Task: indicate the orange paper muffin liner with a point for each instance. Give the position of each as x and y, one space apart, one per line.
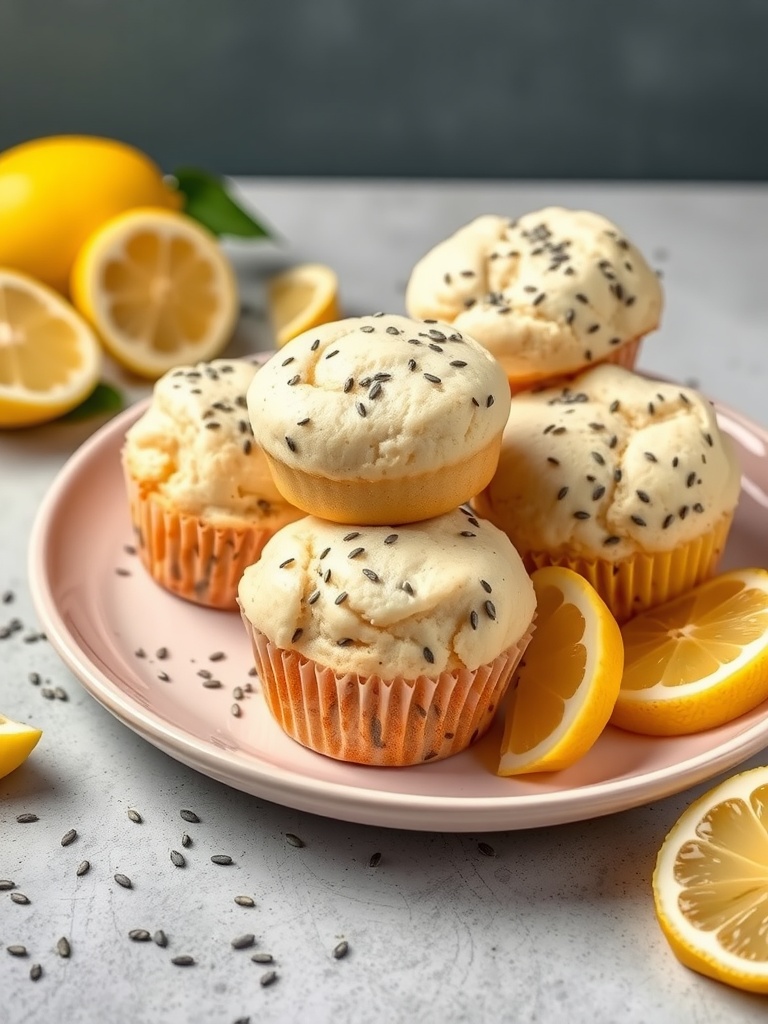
625 355
373 721
191 558
638 582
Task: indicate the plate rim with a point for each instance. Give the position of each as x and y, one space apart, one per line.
420 812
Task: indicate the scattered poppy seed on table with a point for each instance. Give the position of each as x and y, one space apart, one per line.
26 819
83 868
162 653
69 837
294 840
17 950
245 901
139 935
263 958
268 978
486 849
60 693
19 897
63 947
160 938
217 656
177 859
6 884
221 858
340 950
183 961
189 816
243 941
123 880
34 678
35 972
375 860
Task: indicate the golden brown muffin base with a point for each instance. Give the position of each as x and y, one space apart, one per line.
625 355
387 502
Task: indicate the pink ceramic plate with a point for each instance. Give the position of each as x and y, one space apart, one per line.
98 617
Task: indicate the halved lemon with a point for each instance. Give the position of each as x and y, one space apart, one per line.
697 661
17 741
566 685
300 298
710 885
49 357
158 289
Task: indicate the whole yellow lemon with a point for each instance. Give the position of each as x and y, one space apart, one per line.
55 192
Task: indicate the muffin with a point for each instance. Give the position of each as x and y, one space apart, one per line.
548 294
387 646
202 499
380 419
627 480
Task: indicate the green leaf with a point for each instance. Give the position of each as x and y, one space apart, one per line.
207 200
102 400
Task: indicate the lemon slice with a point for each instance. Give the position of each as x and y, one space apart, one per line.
17 742
49 357
697 661
300 298
566 685
710 885
158 289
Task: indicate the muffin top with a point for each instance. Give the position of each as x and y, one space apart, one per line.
378 396
548 293
194 446
612 465
444 594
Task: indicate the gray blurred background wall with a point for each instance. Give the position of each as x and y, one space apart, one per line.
663 89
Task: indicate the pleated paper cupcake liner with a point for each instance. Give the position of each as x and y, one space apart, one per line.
381 722
193 559
641 581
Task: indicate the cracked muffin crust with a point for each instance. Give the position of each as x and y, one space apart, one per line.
548 294
609 474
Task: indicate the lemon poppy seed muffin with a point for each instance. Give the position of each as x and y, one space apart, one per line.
380 419
627 480
202 498
548 294
387 645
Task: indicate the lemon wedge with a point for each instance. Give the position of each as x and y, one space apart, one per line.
566 685
17 742
157 288
710 885
49 357
300 298
698 661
